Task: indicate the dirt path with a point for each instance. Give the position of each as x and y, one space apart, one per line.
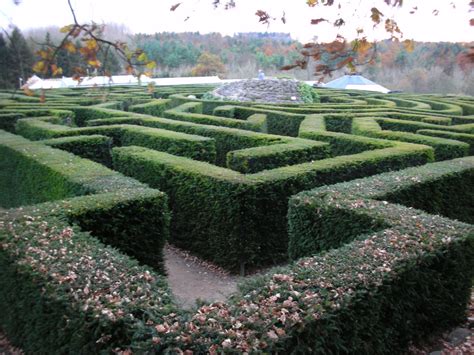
191 279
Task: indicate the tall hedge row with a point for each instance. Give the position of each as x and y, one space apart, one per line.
444 148
32 172
94 147
63 291
154 108
245 225
193 146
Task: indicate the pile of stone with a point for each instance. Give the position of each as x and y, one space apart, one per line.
256 90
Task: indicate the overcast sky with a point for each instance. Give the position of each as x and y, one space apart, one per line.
150 16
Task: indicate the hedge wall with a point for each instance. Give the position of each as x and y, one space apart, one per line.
463 137
278 122
375 295
154 108
193 146
392 274
94 147
31 172
25 180
191 112
314 127
444 148
84 114
427 187
63 291
8 120
226 139
420 258
252 160
239 229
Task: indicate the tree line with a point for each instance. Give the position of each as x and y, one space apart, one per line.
425 67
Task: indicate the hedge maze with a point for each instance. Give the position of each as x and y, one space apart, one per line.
365 201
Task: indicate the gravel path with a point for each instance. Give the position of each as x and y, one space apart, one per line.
192 279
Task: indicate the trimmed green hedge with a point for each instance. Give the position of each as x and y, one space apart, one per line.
135 221
8 120
32 172
208 106
434 188
397 275
444 148
409 103
278 122
314 127
252 160
441 120
94 147
193 146
63 291
420 258
192 112
154 108
238 228
84 114
402 124
227 139
40 112
443 107
463 137
375 295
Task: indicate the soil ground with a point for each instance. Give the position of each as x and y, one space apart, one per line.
192 279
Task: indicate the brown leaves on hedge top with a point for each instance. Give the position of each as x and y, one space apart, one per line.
95 278
313 287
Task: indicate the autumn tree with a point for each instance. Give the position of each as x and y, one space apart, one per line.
327 57
208 64
341 52
87 39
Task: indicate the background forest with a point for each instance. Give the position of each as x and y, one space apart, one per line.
427 68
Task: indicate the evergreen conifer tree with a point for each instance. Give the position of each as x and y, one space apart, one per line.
21 58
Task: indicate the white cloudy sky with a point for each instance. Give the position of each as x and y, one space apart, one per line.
149 16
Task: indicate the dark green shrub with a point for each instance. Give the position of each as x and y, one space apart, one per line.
252 160
153 108
239 229
32 172
444 148
93 147
62 291
8 120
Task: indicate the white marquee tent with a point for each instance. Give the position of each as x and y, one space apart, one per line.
355 82
35 83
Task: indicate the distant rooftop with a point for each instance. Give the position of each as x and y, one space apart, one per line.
35 82
355 82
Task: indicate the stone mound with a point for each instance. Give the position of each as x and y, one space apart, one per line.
267 90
